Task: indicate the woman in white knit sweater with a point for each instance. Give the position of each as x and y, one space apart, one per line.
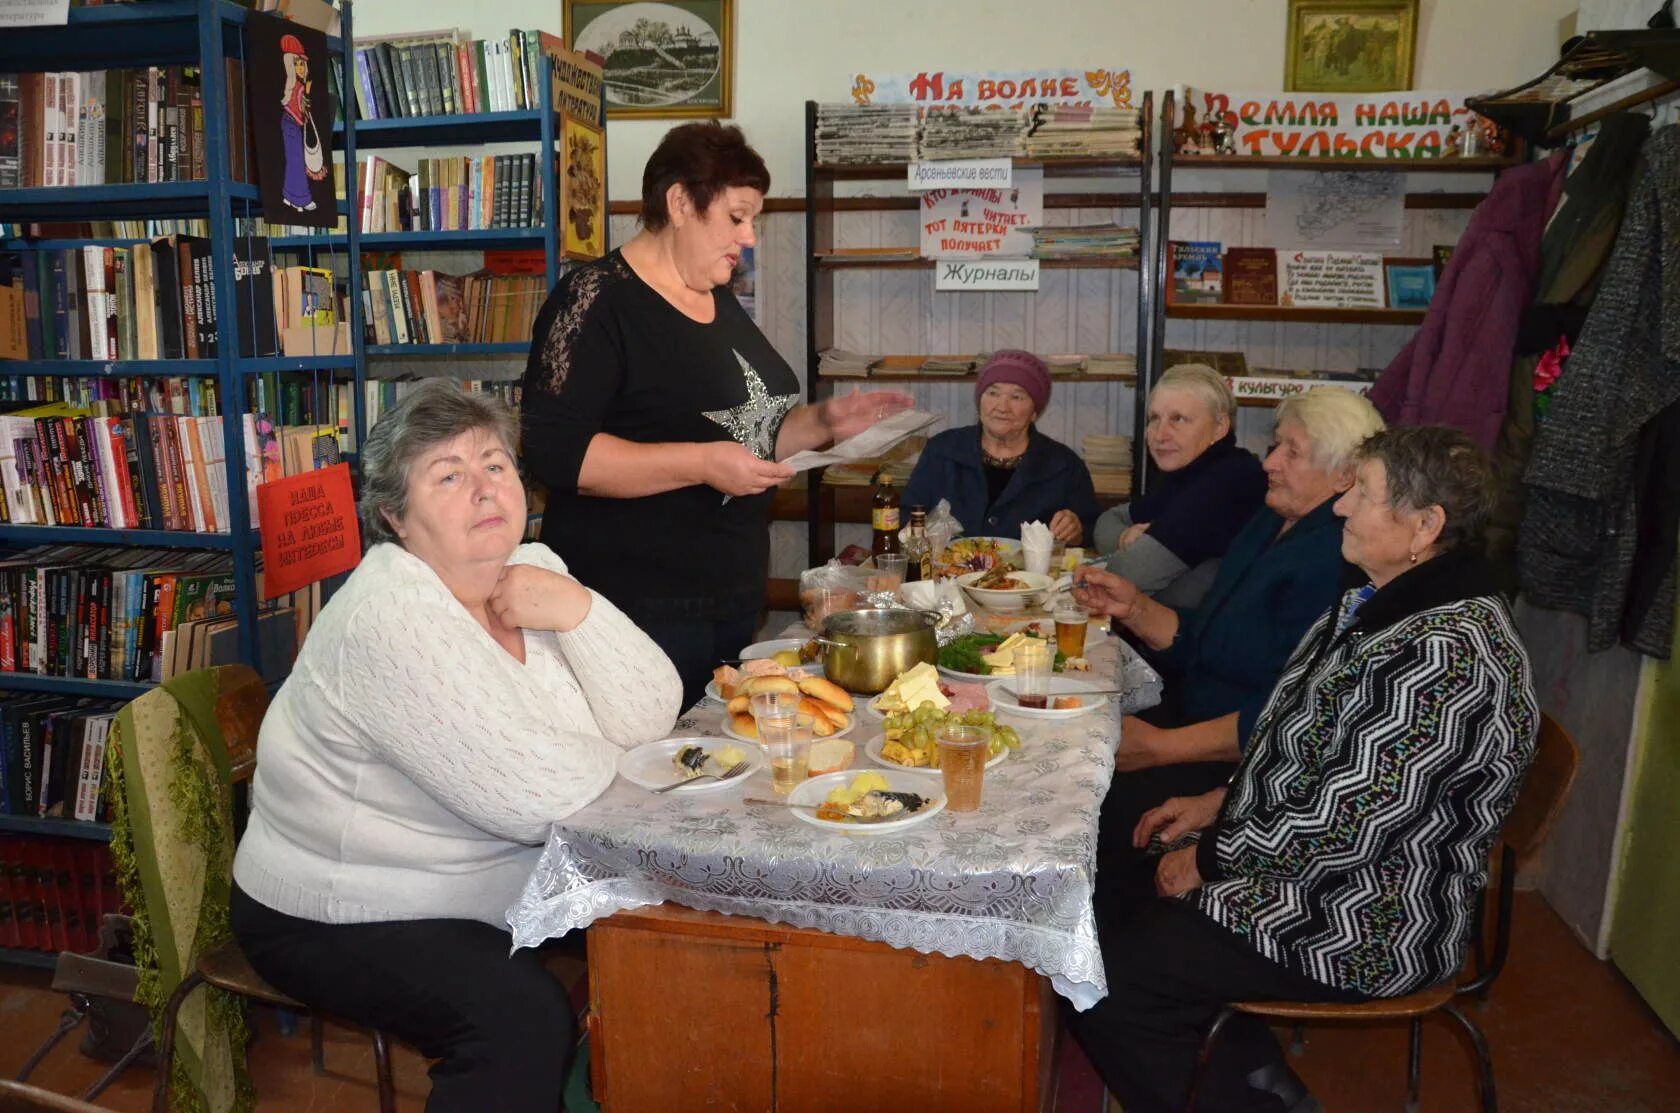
459 694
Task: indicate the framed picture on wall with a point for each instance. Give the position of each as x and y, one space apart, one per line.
583 189
1350 46
664 58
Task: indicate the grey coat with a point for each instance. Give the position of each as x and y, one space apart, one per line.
1582 529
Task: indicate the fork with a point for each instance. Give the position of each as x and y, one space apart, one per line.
736 770
862 820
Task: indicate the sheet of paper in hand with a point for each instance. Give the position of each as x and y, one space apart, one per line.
872 442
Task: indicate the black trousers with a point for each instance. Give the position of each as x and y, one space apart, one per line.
1170 971
498 1024
696 645
1126 877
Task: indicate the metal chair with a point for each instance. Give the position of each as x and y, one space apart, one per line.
1544 790
241 700
20 1097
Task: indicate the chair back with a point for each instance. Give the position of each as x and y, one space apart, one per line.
1544 789
173 839
1540 801
20 1097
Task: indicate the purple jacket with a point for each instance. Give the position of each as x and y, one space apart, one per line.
1457 369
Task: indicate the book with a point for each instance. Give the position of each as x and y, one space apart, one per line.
1197 274
1411 282
1251 276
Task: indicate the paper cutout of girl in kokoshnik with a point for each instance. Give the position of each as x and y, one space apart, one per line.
305 159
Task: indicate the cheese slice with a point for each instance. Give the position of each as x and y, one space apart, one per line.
909 690
1001 660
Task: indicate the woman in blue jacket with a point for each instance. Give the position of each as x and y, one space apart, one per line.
1002 471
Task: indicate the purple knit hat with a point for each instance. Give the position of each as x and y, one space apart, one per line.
1025 370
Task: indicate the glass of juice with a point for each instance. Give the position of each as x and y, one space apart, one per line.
963 751
1032 673
786 739
1071 623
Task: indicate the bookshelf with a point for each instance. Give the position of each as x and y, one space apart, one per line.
1117 182
205 34
425 134
1171 162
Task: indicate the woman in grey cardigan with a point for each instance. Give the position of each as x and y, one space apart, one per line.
1347 856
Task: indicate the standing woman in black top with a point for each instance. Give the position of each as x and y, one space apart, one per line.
656 412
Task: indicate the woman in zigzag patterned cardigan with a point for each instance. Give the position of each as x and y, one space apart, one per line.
1346 858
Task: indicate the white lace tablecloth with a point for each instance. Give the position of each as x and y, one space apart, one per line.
1011 881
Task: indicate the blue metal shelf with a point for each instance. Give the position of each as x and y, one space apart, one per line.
473 239
66 686
472 128
109 367
517 347
252 365
17 956
106 202
155 538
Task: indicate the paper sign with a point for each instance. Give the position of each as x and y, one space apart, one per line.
974 223
309 528
34 13
999 274
1410 125
1274 387
1331 279
1107 88
961 173
868 444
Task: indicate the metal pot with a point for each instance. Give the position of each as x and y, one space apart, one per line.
864 650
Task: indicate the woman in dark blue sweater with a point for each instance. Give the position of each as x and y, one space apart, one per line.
1002 471
1203 489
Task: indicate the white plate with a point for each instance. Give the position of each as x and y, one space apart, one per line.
1013 599
815 790
770 648
872 749
651 767
729 729
1059 686
877 714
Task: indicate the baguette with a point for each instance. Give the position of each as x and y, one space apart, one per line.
826 690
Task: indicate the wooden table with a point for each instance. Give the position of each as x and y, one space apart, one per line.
694 1010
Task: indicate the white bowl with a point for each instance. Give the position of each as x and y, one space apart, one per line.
1013 599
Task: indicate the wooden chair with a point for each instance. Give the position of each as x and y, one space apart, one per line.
20 1097
1544 790
241 700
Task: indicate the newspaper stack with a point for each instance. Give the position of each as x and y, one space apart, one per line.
974 133
866 133
839 363
1111 363
1086 241
1068 131
1110 461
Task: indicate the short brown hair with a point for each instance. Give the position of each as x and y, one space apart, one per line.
1432 465
705 159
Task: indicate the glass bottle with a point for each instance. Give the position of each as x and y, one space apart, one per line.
884 518
917 548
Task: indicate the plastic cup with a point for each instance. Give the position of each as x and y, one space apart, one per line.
765 705
787 744
1032 673
963 751
1058 557
889 572
1072 620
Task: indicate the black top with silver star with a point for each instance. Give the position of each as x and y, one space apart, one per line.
756 421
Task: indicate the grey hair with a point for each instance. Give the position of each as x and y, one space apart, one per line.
1432 465
435 411
1337 422
1202 381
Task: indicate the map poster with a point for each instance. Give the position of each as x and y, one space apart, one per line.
1334 209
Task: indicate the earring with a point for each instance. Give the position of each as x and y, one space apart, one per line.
1414 558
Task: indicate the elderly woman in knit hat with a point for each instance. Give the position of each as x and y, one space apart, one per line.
1002 471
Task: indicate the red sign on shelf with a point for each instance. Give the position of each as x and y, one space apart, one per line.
309 528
